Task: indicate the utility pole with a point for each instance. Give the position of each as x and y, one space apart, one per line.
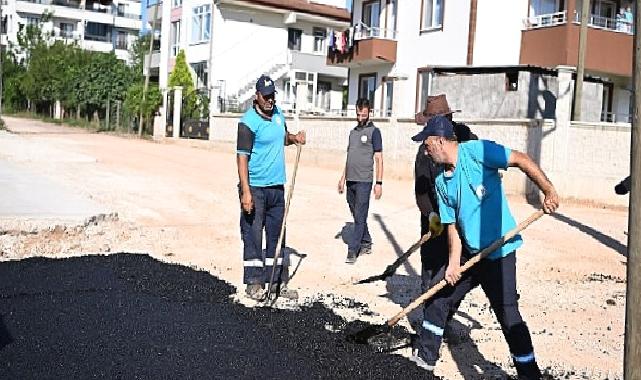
1 53
580 68
148 72
632 344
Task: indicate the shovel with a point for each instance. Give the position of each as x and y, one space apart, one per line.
393 266
282 228
363 336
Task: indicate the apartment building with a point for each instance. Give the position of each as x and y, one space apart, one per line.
551 38
403 48
92 25
230 43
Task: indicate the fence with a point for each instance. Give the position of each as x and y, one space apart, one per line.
597 153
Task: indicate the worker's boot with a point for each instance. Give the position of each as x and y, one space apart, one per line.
351 257
366 249
284 292
255 292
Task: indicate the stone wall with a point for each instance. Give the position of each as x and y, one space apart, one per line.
596 158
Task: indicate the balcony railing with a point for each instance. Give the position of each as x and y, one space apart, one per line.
63 3
67 34
76 5
364 32
92 37
594 21
121 44
613 24
551 19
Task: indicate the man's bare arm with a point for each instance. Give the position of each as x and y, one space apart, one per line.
534 172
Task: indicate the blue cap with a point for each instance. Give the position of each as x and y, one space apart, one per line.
436 126
265 85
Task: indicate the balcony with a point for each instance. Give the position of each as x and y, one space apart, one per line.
549 40
372 45
315 63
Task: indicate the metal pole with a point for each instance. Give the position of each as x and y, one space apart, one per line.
580 68
632 344
1 53
118 102
148 72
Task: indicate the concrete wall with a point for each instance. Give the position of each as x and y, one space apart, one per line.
598 152
485 96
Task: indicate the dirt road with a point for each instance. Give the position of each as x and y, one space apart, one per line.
178 202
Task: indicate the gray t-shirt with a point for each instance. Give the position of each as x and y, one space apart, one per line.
363 143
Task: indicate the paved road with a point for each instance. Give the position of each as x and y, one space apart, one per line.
132 317
28 195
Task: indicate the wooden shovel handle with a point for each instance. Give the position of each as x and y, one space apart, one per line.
468 264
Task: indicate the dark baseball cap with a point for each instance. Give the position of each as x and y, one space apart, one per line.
265 85
436 126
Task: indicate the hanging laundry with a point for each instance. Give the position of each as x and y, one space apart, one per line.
344 42
351 37
339 41
332 41
347 37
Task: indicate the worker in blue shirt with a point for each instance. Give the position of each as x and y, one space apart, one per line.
473 207
262 135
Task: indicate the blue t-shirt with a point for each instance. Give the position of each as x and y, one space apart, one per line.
267 150
473 197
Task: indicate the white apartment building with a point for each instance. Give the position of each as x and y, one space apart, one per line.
399 43
92 25
230 43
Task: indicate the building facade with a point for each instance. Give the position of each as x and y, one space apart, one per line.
230 43
402 48
90 24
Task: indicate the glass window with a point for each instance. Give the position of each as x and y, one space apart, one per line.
424 81
389 97
294 39
367 87
320 35
175 38
432 14
200 68
200 23
371 13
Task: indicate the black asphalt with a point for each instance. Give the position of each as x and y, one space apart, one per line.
132 317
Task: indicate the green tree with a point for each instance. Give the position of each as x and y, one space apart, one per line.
181 76
133 100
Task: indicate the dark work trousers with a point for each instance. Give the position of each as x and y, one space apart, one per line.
358 195
267 215
434 257
498 281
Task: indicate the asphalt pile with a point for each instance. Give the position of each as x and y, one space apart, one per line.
131 316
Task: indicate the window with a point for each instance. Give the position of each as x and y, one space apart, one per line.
200 68
512 81
121 40
389 97
371 13
323 93
120 10
294 39
367 87
98 32
424 84
66 30
320 36
176 3
200 24
432 14
32 20
174 38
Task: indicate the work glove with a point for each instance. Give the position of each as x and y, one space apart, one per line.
436 228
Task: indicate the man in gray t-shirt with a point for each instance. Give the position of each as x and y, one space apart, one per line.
364 148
